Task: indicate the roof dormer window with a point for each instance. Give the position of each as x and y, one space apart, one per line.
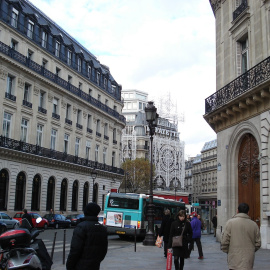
14 17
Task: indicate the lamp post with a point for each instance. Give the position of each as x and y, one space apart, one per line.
151 117
94 176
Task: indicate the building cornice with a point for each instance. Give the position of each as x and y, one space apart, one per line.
215 4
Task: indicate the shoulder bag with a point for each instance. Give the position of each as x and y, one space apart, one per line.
177 241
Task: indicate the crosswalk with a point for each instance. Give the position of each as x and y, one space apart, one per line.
59 246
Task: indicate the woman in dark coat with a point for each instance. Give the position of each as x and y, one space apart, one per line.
176 229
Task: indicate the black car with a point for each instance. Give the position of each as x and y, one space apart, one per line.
57 221
75 219
3 227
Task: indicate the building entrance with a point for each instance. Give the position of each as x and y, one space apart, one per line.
249 176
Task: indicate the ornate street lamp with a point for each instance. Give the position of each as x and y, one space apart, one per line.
94 176
151 117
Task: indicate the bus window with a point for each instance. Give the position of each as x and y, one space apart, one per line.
125 203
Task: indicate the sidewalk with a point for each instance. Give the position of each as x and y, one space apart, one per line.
152 258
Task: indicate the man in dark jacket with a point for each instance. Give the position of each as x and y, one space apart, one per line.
196 226
28 217
89 242
214 221
165 229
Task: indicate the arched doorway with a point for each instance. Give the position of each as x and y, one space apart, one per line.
4 180
36 193
85 194
249 176
19 192
50 194
74 205
63 195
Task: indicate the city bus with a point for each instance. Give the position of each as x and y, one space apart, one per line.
124 212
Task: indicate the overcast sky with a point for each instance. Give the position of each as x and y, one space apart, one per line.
157 46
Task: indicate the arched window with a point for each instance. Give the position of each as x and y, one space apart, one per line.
95 193
63 195
85 194
36 193
4 180
50 194
74 204
19 192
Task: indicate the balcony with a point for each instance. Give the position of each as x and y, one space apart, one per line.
42 110
27 104
10 96
67 121
56 116
242 96
98 134
89 130
52 154
79 126
240 9
106 137
114 142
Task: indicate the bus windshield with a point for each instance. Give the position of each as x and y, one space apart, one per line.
125 202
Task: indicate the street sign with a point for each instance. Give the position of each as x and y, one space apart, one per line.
195 204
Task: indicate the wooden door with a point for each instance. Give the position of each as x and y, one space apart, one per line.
249 176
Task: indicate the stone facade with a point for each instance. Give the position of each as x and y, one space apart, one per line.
241 104
61 117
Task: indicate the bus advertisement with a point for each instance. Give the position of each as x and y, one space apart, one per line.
126 211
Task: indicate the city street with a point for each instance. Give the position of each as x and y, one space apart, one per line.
121 254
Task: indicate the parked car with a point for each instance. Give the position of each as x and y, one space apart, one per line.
43 224
57 221
9 221
3 227
75 219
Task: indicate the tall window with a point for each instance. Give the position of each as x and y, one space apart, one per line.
114 134
98 126
104 154
55 105
63 195
24 126
30 29
89 71
79 117
36 193
88 150
74 203
77 147
106 129
26 94
98 78
68 111
66 142
14 17
69 57
96 153
89 121
53 138
14 44
113 159
6 124
79 64
10 84
242 56
57 48
41 99
44 39
39 134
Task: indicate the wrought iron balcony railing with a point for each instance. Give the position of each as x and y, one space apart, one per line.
42 110
98 134
56 116
27 103
10 96
209 157
114 142
106 137
89 130
79 126
67 121
242 84
5 49
240 9
61 156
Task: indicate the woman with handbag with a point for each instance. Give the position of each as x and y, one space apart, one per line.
180 230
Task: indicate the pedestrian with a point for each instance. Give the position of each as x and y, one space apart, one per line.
214 221
89 242
180 225
27 216
188 218
202 221
241 239
165 229
196 226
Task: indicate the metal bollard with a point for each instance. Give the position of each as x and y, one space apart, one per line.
135 239
53 245
64 248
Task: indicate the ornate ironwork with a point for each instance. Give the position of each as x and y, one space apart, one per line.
68 121
27 104
10 96
106 137
79 126
240 9
98 134
42 110
89 130
61 156
56 116
242 84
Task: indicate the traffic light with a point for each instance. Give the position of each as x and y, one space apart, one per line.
189 198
